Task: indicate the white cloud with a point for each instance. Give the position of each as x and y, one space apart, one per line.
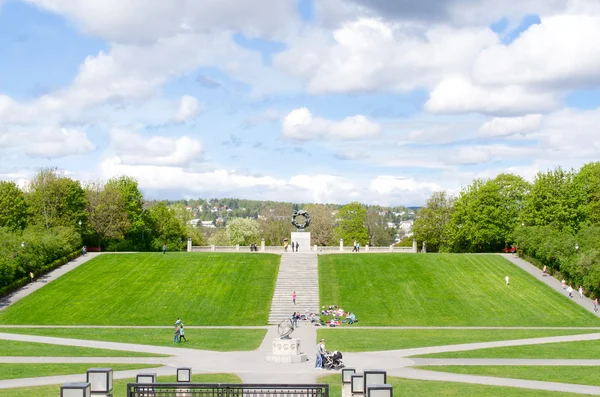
189 107
561 52
135 21
376 55
132 148
47 142
505 126
300 124
459 95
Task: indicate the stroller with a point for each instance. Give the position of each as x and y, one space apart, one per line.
333 360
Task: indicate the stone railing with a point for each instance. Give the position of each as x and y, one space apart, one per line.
281 249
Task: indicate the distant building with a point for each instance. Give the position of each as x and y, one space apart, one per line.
391 225
406 227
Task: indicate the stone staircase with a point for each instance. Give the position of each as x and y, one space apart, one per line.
297 272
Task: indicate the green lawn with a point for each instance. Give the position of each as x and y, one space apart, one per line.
420 388
443 289
119 386
361 340
569 374
204 339
17 371
565 350
155 289
29 349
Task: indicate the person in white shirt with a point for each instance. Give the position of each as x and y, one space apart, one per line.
507 279
580 290
570 291
564 284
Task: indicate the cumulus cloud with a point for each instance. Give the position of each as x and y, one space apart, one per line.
131 148
505 126
300 124
189 107
459 95
47 142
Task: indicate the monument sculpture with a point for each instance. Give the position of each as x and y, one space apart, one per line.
301 237
286 349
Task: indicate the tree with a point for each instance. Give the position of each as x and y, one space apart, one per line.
379 234
13 208
166 228
106 212
139 227
431 224
486 214
321 224
352 224
553 200
587 183
275 224
220 238
56 200
243 231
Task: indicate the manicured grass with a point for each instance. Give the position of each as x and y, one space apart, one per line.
443 289
155 289
204 339
29 349
17 371
361 340
420 388
568 374
119 385
565 350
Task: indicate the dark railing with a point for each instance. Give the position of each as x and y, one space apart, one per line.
225 390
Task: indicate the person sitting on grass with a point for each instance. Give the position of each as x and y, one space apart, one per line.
352 318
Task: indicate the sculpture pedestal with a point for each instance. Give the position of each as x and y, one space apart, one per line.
303 240
286 351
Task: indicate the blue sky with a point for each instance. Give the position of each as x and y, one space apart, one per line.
333 101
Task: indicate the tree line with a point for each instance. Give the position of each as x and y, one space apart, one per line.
554 221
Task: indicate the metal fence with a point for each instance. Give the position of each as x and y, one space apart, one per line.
225 390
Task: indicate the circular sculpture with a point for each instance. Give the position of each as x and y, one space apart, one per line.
285 329
306 219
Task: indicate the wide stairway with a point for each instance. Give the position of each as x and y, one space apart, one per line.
297 272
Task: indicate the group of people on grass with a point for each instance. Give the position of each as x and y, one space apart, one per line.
179 332
339 316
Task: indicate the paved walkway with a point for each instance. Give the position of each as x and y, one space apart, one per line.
553 283
45 279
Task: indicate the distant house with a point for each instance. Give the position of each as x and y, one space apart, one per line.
406 227
208 224
391 225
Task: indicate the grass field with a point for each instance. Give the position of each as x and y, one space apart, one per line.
443 289
361 340
119 385
155 289
204 339
565 350
418 388
582 375
13 349
17 371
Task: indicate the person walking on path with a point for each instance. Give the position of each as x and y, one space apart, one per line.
354 246
320 354
596 305
297 245
31 276
164 249
544 271
182 334
357 247
564 284
178 322
507 279
294 297
83 250
570 291
580 290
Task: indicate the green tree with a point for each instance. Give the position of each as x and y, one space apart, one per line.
553 200
431 224
166 228
13 208
379 234
56 200
106 212
587 183
138 234
275 224
243 231
321 224
220 238
352 224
